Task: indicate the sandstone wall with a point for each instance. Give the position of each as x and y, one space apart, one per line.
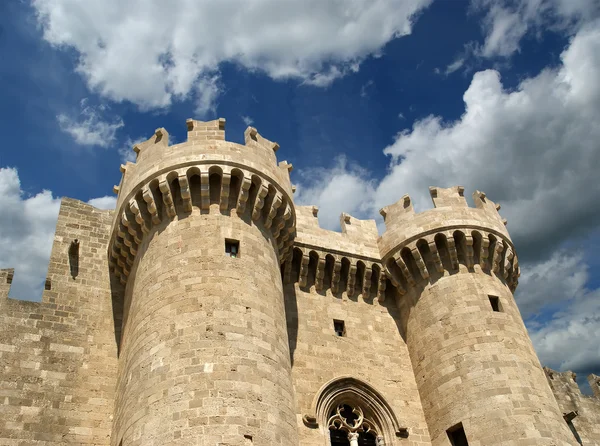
205 358
58 357
582 411
477 366
338 276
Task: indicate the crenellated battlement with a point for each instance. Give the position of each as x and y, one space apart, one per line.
416 246
6 278
167 181
357 237
206 130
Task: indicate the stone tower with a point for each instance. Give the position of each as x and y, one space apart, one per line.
455 270
199 231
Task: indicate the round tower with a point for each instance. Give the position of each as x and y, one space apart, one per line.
455 270
199 233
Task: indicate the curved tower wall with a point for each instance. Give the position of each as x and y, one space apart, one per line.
204 356
474 366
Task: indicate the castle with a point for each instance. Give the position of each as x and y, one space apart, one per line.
209 309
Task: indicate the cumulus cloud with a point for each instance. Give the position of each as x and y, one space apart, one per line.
550 282
106 202
569 339
535 147
27 226
343 188
93 126
176 47
126 150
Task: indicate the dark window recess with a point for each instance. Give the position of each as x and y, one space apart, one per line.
339 327
457 435
232 248
495 303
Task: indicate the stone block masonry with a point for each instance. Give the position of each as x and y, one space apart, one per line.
58 357
209 309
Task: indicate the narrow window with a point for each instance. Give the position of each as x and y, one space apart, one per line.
339 327
495 303
457 435
247 439
232 248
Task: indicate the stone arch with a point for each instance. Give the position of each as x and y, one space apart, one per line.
375 278
329 265
313 260
215 178
477 246
354 392
195 181
461 246
237 176
441 244
360 274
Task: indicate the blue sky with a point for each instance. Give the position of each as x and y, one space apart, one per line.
368 99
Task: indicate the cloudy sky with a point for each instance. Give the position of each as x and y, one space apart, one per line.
369 99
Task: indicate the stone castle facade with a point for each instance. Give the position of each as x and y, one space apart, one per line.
209 309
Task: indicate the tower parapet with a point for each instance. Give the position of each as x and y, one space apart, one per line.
455 270
202 170
410 246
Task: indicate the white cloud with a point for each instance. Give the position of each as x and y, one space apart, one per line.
247 120
558 279
569 339
106 202
126 150
342 188
364 90
91 127
176 47
27 226
207 91
507 22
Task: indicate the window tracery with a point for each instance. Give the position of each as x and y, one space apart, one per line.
351 421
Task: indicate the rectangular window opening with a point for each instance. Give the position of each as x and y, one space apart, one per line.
495 303
457 436
232 247
339 327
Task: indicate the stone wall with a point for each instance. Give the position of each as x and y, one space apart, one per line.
582 412
58 357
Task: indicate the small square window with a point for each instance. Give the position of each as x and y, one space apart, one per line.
232 248
495 303
339 327
457 436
